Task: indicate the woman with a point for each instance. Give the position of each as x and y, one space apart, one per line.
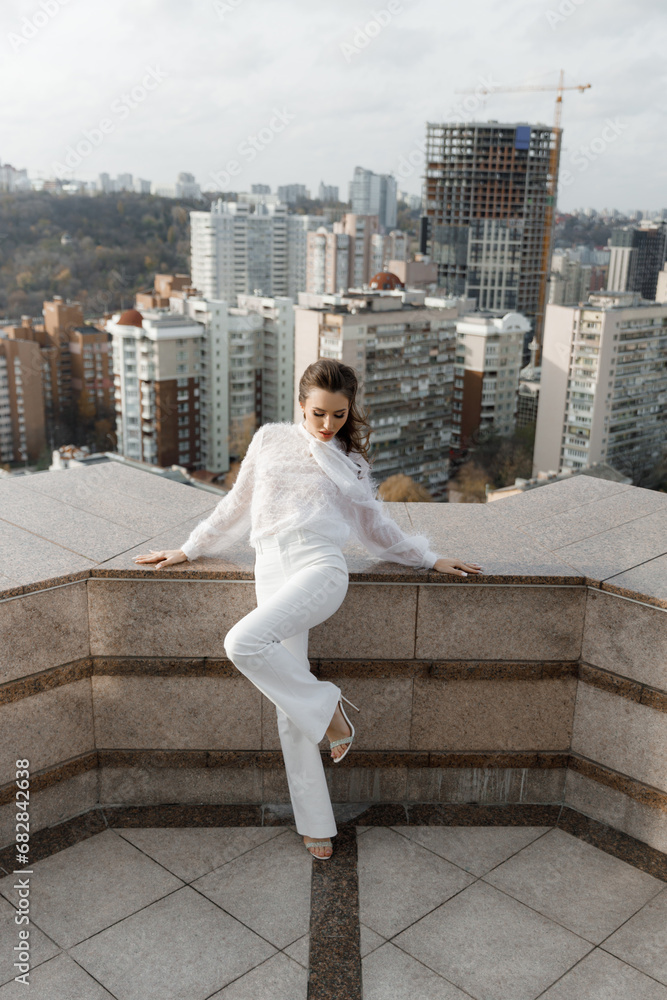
302 489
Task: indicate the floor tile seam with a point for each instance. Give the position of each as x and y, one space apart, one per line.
625 961
567 971
623 597
126 916
210 870
51 541
613 527
430 968
632 916
545 916
72 958
454 863
28 589
268 958
584 503
236 919
644 562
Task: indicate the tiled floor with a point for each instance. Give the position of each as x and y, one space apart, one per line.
167 914
506 913
447 913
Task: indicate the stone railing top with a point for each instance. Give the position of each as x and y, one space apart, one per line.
90 522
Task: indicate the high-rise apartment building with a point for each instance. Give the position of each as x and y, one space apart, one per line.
71 362
392 246
570 280
374 194
488 213
298 228
328 261
637 257
239 248
22 418
195 377
327 192
360 229
402 346
488 361
291 193
603 394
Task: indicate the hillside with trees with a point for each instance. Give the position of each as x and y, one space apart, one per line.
98 250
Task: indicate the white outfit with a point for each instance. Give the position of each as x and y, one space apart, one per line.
290 479
301 498
301 579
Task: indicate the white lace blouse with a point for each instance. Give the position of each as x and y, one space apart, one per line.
289 479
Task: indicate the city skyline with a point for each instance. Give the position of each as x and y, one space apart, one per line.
303 94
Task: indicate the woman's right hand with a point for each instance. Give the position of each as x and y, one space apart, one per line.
162 557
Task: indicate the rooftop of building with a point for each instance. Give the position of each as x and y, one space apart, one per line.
501 815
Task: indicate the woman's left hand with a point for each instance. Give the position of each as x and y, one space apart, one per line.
456 567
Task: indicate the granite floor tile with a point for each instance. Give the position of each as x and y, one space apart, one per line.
104 497
390 974
499 548
268 888
190 852
58 979
368 940
89 886
399 881
649 578
79 531
476 849
581 887
554 498
279 978
28 558
299 950
181 947
618 549
642 941
492 946
595 518
41 948
603 977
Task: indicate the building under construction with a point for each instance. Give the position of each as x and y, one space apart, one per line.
489 212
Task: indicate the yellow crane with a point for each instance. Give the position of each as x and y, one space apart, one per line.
551 181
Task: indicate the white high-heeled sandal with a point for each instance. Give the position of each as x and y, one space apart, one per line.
319 843
345 739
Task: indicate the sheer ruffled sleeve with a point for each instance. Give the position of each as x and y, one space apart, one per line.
230 519
381 534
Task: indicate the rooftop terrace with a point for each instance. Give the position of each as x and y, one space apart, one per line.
511 749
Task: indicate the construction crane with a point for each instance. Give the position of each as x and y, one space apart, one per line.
551 180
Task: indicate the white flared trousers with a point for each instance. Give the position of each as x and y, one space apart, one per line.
301 579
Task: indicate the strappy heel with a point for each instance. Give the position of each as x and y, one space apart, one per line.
318 843
345 739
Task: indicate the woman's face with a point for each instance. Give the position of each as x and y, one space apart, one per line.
325 413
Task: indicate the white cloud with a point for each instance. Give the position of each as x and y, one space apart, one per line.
226 73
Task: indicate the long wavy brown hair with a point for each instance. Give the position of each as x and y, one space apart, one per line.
334 376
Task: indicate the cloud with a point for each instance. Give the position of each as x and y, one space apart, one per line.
228 66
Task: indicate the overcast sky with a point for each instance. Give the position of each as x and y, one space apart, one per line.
326 86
